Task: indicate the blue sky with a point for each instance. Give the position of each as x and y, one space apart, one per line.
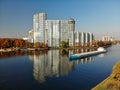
102 17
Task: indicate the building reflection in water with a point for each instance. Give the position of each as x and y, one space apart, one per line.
101 55
55 64
51 64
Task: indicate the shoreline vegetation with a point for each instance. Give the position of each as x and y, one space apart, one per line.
47 48
13 44
112 82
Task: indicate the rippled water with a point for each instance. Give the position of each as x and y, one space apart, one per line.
52 70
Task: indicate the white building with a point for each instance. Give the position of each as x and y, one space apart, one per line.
28 39
82 38
39 27
107 38
52 32
31 34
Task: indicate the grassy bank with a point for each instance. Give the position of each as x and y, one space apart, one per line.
112 82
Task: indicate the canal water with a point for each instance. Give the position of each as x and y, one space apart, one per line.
52 70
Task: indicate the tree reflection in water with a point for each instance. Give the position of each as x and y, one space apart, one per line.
11 54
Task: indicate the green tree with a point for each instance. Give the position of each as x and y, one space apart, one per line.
64 44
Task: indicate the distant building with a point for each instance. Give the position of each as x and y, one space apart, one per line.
31 34
28 39
52 32
25 38
107 38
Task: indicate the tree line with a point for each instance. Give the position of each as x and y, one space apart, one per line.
19 43
95 43
101 43
13 43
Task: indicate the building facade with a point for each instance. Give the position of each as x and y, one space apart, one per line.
31 36
39 27
82 39
107 38
52 32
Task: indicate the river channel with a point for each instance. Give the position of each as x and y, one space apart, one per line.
52 70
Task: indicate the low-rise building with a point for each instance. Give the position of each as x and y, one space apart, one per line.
107 38
81 39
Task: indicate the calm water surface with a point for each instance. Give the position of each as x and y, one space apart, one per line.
52 70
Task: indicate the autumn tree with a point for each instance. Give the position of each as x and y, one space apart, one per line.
8 43
37 45
5 43
1 41
95 42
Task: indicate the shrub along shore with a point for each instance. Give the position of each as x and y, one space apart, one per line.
48 48
13 44
112 82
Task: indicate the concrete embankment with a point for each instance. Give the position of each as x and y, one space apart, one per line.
5 50
22 49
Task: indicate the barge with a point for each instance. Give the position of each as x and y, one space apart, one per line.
87 54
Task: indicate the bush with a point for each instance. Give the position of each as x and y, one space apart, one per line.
116 72
113 85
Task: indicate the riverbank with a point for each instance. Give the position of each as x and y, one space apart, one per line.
81 47
22 49
5 50
112 82
51 48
